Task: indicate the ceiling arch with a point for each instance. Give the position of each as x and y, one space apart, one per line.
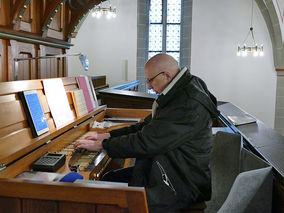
269 13
77 15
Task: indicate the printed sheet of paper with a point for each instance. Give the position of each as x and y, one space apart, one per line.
58 102
79 103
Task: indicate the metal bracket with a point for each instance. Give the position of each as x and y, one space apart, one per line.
75 126
2 167
47 142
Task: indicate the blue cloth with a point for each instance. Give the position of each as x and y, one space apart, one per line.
71 177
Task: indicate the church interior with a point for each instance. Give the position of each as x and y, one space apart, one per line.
62 51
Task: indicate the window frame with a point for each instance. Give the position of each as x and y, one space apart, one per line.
164 28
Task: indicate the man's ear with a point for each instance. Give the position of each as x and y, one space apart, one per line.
169 76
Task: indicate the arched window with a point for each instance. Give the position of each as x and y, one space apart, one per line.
164 28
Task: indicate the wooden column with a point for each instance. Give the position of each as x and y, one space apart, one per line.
5 7
36 16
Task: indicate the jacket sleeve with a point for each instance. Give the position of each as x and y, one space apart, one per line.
172 127
131 129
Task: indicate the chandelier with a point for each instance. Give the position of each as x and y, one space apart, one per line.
244 49
104 9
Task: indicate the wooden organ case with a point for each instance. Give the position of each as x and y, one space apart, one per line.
18 150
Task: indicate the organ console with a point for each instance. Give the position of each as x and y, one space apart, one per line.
18 150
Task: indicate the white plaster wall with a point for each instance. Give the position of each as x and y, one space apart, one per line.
110 45
250 83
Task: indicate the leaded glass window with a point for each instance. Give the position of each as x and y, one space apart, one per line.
164 28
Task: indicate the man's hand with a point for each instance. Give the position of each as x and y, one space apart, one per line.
97 136
89 145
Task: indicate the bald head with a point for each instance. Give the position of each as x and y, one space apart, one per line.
159 71
162 63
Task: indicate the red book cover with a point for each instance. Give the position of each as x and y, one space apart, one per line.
83 86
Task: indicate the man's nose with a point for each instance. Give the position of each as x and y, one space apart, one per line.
149 85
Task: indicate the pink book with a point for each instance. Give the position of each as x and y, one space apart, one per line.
83 86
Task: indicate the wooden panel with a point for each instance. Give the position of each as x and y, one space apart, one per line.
134 199
11 205
56 21
71 87
14 146
71 192
25 68
50 67
27 15
132 113
35 7
69 207
69 80
17 86
1 61
25 23
99 80
8 98
60 72
53 68
5 11
42 206
126 99
55 29
110 208
24 164
13 128
10 113
43 101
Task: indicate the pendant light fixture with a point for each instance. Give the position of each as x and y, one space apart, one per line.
253 47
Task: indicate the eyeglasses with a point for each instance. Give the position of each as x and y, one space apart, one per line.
151 79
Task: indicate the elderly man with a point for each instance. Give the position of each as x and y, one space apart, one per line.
172 146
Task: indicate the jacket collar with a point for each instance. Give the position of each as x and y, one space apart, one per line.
173 82
176 84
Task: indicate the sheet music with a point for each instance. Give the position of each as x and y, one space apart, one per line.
58 102
79 103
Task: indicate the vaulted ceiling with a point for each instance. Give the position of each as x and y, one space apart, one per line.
43 12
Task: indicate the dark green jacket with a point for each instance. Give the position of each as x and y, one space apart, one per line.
171 149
